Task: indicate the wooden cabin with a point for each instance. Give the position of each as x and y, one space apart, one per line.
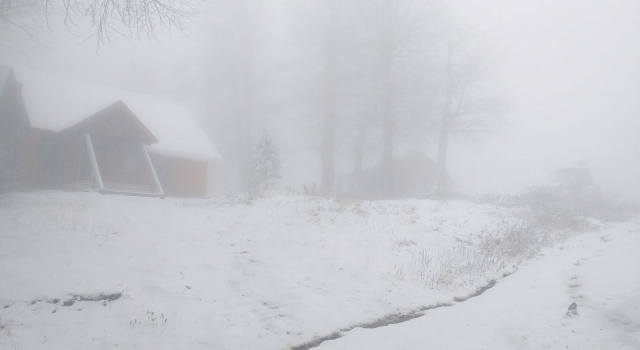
414 176
67 135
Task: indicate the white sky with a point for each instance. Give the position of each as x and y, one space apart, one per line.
572 72
571 69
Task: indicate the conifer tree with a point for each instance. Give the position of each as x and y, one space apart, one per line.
265 167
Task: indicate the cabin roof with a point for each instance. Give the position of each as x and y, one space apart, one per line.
57 104
118 119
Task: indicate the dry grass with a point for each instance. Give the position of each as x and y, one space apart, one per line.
491 255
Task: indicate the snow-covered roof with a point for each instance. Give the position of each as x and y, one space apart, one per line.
56 104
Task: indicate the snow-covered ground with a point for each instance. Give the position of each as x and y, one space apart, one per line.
600 272
85 271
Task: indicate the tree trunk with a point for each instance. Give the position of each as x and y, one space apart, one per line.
328 146
243 158
329 131
388 126
445 124
387 157
244 128
330 104
387 45
442 160
358 157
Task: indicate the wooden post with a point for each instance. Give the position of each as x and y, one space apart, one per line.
152 170
95 170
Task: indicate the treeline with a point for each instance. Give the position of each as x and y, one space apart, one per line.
354 81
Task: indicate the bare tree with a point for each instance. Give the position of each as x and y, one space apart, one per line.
329 97
397 31
338 67
234 65
129 18
22 25
469 106
322 34
20 14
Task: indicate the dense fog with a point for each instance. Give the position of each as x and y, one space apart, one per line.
345 86
319 174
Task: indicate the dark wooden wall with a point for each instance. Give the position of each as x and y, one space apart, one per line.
181 177
49 160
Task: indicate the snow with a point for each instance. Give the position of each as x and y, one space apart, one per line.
56 104
282 270
528 310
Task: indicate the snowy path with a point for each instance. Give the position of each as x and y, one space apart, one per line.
599 271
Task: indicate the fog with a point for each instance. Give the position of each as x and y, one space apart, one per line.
298 174
568 69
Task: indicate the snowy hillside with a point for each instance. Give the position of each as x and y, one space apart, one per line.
82 271
599 272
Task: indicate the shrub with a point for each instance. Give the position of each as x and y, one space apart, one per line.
565 209
265 168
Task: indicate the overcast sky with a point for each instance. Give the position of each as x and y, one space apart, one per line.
572 71
570 68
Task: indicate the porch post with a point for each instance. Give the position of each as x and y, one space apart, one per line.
152 170
95 170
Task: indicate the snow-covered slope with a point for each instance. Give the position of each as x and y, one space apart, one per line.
600 272
85 271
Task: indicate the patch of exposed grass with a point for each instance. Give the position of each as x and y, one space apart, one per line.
478 292
97 297
317 341
397 318
391 319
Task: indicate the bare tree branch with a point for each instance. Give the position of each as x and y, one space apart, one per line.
469 109
133 19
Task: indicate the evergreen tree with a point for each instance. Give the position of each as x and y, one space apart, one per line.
265 168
